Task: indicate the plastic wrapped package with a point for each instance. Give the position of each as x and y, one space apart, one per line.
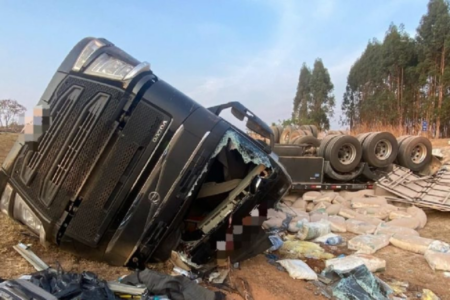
348 213
381 212
272 224
318 216
290 198
399 214
327 197
310 206
368 202
419 214
337 224
300 204
323 239
412 223
368 243
360 227
350 262
438 261
392 230
305 249
310 196
333 209
297 269
309 231
439 246
272 213
411 243
321 205
295 225
349 195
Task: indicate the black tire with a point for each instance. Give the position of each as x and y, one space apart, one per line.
310 129
415 153
380 149
276 134
314 130
285 136
307 140
323 145
344 153
401 139
362 136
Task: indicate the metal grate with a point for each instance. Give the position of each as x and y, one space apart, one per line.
88 154
100 203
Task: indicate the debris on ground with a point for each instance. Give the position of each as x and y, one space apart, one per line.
350 262
297 269
368 243
359 283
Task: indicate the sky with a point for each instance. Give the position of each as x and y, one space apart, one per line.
249 51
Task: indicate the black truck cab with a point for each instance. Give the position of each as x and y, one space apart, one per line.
126 168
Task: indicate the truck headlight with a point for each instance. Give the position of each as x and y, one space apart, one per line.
90 48
24 214
109 67
6 198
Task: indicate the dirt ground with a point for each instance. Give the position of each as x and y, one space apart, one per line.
265 280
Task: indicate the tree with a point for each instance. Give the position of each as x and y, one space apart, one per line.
9 109
303 96
322 100
433 37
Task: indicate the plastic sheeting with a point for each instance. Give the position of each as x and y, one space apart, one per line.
360 284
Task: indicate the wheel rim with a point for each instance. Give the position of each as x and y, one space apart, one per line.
347 153
383 149
419 153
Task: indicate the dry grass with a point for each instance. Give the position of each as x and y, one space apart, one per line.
395 130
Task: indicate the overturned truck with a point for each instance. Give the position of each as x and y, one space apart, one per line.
124 168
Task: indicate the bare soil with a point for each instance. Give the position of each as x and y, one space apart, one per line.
265 280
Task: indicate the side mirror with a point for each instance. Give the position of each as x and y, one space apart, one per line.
254 123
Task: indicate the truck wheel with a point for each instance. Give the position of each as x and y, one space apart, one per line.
314 130
362 137
323 145
276 134
415 153
401 139
310 130
344 153
380 149
307 140
285 136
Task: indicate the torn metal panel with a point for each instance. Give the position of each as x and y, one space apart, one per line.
429 191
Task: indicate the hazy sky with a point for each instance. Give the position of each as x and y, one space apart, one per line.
214 51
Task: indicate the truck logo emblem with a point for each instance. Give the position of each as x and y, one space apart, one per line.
160 131
153 197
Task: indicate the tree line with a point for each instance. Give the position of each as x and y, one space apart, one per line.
404 81
314 99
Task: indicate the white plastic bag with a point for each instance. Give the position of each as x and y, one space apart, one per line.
368 243
327 197
348 263
368 202
439 246
300 204
333 209
437 260
317 216
392 230
324 238
310 196
273 223
297 269
414 244
309 231
399 214
360 227
337 224
412 223
419 214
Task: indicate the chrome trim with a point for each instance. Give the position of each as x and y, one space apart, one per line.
142 67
